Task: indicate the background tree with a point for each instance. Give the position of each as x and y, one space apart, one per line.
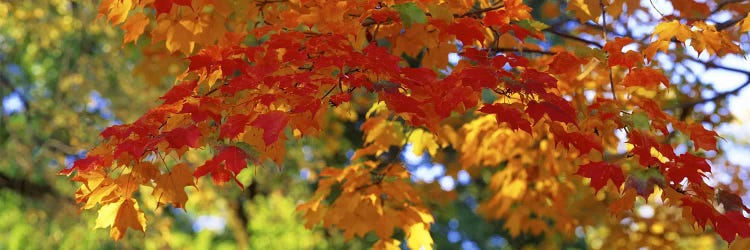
539 105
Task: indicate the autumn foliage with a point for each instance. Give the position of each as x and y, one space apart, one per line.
538 107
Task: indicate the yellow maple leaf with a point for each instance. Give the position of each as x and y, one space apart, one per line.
170 187
422 140
116 10
745 24
120 216
134 27
668 30
387 244
585 10
418 237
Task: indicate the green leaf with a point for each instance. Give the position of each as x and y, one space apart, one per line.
641 121
410 13
532 25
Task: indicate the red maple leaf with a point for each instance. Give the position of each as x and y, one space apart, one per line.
508 114
645 77
555 107
467 30
642 145
208 107
272 123
479 77
583 142
616 57
233 126
497 18
134 147
179 92
703 138
701 211
600 173
85 164
731 224
228 163
184 136
535 82
340 98
165 6
687 166
402 104
565 62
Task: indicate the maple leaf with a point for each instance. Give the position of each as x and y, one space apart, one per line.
340 98
467 30
120 216
555 107
206 108
701 211
642 146
583 142
421 140
410 13
508 114
625 202
272 123
234 125
84 165
134 27
617 57
497 18
184 136
687 166
703 138
165 6
691 9
418 237
730 201
117 10
668 30
170 187
744 24
600 173
179 92
225 165
645 77
565 62
731 224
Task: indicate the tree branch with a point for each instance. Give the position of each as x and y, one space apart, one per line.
480 11
533 51
572 37
722 95
28 188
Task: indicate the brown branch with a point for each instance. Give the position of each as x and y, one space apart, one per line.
604 34
723 4
476 12
533 51
721 95
28 188
730 23
572 37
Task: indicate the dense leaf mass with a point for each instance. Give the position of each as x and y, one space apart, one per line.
535 110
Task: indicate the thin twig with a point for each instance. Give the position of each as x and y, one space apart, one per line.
480 11
572 37
604 34
534 51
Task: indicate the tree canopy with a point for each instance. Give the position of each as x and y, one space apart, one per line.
555 118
